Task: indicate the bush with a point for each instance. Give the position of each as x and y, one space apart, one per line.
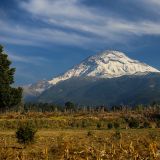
116 125
117 135
146 125
26 133
153 136
99 125
90 133
110 125
84 124
133 123
158 124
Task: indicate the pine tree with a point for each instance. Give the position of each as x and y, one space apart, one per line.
9 96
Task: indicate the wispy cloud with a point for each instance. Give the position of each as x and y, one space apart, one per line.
74 15
153 2
23 65
70 22
34 60
72 9
18 34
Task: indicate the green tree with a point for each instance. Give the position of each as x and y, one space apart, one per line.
9 96
69 106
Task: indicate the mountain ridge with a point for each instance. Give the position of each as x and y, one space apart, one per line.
104 65
125 90
107 64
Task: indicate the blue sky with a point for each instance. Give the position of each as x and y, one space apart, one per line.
44 38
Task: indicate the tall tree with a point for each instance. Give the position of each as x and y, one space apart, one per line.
69 106
9 96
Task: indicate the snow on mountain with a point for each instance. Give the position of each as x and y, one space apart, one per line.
108 64
37 88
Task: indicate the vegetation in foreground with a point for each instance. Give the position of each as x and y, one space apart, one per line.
83 144
96 134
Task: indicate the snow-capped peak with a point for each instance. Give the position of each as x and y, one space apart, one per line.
108 64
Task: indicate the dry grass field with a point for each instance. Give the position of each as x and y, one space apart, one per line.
79 137
82 144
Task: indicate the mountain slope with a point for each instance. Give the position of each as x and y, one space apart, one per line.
31 92
97 75
108 64
128 90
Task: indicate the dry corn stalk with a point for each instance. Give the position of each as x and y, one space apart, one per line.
153 149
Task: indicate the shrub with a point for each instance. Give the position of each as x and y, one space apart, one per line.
133 123
84 124
26 133
117 135
110 125
116 125
72 124
90 133
158 124
77 125
146 124
99 125
153 136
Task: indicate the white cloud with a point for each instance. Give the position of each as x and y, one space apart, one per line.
17 34
153 2
34 60
59 8
140 28
72 15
